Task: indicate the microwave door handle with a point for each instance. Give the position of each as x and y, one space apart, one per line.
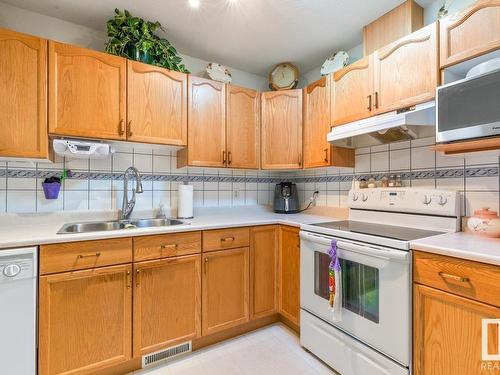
316 239
387 254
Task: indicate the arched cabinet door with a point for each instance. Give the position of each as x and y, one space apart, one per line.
87 92
156 105
23 95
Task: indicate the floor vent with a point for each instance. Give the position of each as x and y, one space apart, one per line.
165 354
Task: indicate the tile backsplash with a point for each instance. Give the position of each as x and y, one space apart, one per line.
98 184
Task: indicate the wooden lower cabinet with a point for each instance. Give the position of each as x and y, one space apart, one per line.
225 286
264 252
447 333
85 321
167 303
289 274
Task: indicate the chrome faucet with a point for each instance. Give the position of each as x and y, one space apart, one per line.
128 205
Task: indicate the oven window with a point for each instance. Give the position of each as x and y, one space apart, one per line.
360 286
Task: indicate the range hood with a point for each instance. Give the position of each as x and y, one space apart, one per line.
411 123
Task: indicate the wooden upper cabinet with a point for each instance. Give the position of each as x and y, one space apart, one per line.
352 94
447 332
206 124
470 33
282 129
87 92
264 252
85 320
23 96
406 72
317 114
289 274
243 127
225 289
167 303
156 105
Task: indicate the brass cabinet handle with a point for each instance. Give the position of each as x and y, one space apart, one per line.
454 277
376 99
300 160
137 274
223 157
326 154
227 239
229 159
206 265
369 102
129 279
169 246
129 129
89 255
121 127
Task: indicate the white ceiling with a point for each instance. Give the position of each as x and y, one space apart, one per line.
251 35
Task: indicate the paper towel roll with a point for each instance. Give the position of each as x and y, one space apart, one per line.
185 202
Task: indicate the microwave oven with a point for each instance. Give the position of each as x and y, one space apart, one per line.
468 108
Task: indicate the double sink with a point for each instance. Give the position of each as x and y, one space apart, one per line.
100 226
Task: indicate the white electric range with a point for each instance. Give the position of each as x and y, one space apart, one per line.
374 335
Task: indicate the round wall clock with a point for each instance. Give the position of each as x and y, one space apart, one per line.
284 76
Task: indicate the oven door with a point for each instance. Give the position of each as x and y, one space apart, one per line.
375 291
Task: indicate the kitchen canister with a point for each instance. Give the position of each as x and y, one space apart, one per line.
485 222
185 202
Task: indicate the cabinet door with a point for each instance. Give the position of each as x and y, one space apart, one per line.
225 289
289 274
264 246
407 71
352 92
206 124
447 333
23 96
470 33
87 92
167 303
156 105
243 127
282 129
85 320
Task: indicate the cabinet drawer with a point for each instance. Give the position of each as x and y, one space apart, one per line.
226 238
82 255
166 245
478 281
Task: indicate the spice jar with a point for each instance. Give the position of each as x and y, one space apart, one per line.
385 182
398 182
371 183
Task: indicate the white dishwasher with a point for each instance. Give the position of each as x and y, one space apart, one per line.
18 299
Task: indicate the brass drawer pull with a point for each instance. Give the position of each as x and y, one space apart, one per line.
223 157
454 277
169 246
376 99
229 158
137 274
369 103
227 239
129 129
206 265
121 127
129 279
326 154
88 255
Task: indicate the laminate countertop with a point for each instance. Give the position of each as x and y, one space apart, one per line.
461 245
18 230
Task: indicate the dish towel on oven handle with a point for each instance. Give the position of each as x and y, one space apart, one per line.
335 283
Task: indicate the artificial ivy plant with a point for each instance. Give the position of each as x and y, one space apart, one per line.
135 38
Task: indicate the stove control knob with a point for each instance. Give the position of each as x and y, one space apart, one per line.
442 200
426 200
354 197
364 197
11 270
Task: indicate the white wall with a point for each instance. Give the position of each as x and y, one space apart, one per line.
29 22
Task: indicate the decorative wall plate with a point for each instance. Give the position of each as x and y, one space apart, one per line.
284 76
219 73
335 62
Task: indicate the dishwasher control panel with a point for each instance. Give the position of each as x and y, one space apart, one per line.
16 266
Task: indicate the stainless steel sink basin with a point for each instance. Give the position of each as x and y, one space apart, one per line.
100 226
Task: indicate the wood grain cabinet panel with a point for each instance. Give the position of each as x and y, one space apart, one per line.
470 33
447 333
352 95
23 96
227 238
156 105
243 127
167 303
166 245
87 92
85 320
317 114
282 129
289 274
407 71
264 253
225 287
206 124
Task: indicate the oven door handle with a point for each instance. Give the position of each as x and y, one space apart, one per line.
383 253
325 241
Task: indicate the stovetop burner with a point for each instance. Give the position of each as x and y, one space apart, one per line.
379 230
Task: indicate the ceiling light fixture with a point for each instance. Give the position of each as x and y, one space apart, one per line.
194 3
